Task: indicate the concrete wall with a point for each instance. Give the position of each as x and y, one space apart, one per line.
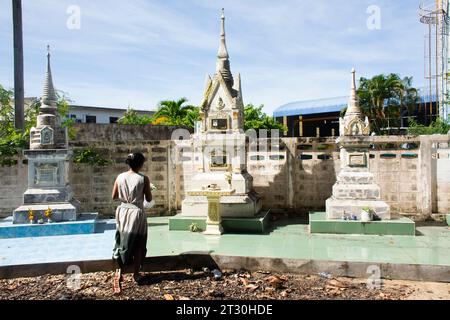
440 176
303 180
93 185
13 183
297 177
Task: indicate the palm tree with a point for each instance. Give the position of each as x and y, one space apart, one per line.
384 98
255 118
192 117
409 98
176 112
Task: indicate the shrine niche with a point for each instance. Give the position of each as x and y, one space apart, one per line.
47 136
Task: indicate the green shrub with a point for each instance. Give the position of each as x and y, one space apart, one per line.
10 147
439 126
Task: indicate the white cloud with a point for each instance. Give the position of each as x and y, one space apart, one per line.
143 51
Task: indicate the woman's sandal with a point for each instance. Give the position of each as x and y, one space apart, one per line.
117 282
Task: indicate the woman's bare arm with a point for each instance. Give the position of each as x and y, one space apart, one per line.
115 192
147 190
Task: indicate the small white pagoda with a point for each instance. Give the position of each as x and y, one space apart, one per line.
48 164
355 187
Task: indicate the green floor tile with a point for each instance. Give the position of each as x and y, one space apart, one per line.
397 226
293 241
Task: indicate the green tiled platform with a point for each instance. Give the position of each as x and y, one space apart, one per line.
286 246
258 224
318 223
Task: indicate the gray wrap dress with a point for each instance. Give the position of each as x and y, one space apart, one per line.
131 219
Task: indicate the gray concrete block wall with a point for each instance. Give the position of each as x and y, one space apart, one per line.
270 178
397 178
442 177
115 142
414 186
13 183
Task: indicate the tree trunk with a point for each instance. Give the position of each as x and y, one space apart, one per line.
19 93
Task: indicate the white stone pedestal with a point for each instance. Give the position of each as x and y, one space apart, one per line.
48 187
355 187
213 229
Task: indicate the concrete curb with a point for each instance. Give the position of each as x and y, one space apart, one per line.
197 260
414 272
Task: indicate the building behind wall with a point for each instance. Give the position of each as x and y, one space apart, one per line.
311 118
85 114
90 114
320 118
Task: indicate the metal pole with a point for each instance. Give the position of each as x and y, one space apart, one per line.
438 104
19 94
430 73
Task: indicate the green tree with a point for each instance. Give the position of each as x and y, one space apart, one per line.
192 117
255 118
132 117
384 98
11 140
176 113
9 135
6 112
436 127
179 113
63 107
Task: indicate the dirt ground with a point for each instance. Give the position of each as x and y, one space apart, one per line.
201 285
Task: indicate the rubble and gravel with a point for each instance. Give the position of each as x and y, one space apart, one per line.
201 285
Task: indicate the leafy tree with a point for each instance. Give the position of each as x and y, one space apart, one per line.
176 113
63 107
6 112
159 121
13 138
192 117
132 117
179 113
255 118
10 138
436 127
384 98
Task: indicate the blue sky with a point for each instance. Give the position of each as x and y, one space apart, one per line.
138 52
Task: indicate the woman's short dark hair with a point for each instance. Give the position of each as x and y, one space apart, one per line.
135 160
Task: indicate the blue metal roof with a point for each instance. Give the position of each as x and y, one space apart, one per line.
336 104
311 107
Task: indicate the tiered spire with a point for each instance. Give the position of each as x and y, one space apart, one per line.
49 96
223 62
353 103
354 123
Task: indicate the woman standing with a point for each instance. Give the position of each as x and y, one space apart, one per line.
131 188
